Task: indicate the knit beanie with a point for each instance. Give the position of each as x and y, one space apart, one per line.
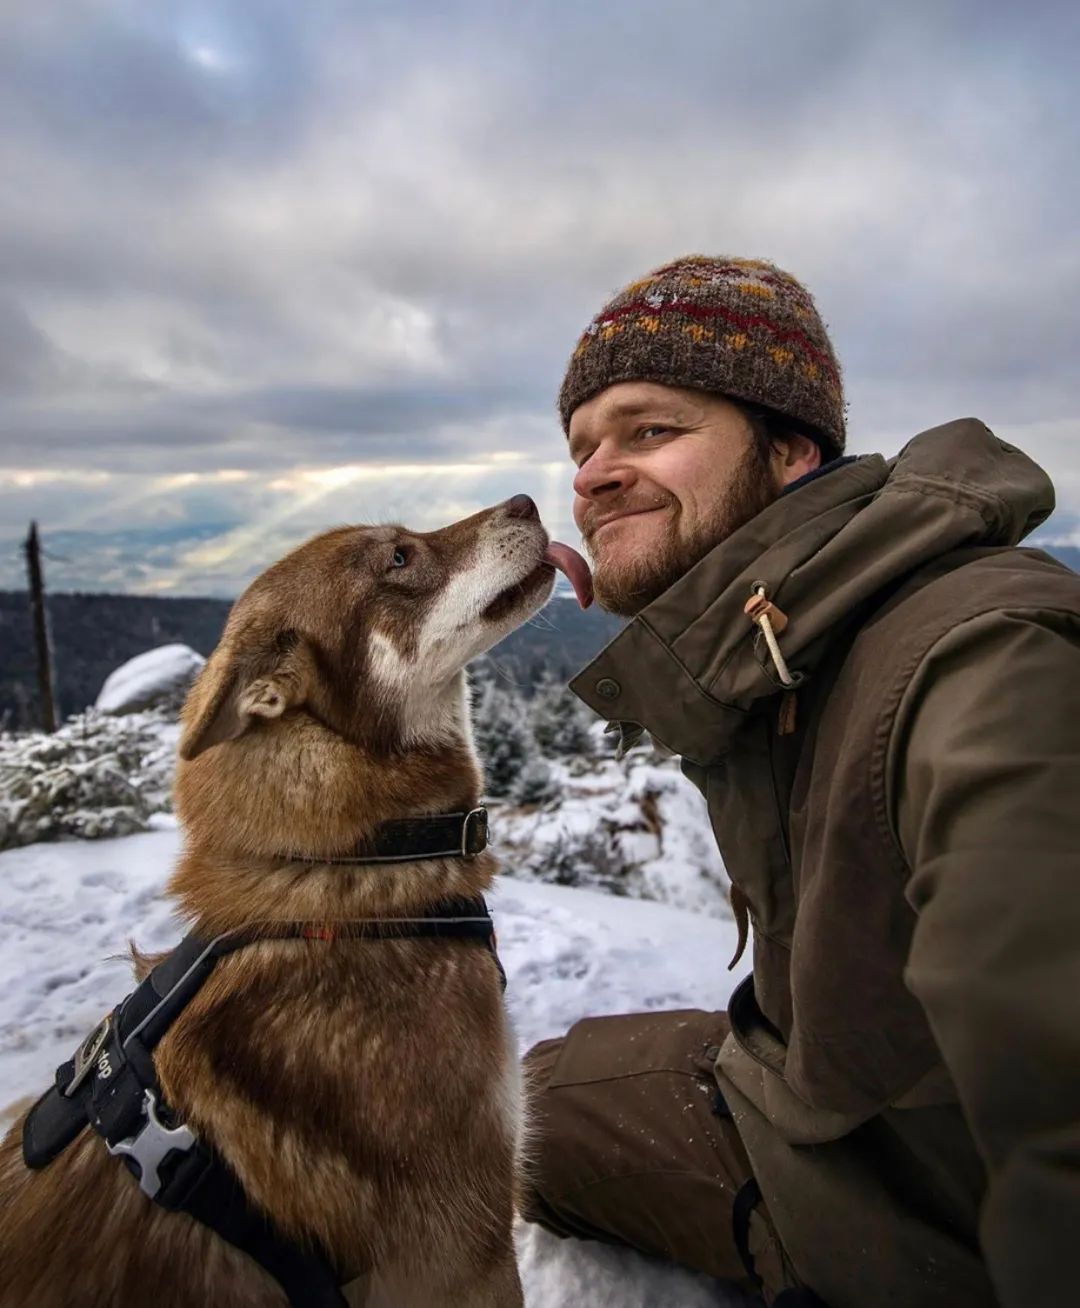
740 327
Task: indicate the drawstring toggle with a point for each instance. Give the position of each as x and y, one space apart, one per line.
764 613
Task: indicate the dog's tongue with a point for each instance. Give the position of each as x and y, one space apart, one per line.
574 568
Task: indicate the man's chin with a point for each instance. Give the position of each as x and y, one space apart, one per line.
626 580
625 591
627 574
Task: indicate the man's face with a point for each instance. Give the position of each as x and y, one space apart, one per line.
664 474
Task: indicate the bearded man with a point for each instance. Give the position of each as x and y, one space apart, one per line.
878 694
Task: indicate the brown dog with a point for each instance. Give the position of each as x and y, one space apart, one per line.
364 1092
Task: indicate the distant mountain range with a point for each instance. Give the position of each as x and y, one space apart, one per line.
93 634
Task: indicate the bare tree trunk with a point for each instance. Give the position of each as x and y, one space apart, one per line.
40 618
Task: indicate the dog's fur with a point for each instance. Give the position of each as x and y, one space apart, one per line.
366 1093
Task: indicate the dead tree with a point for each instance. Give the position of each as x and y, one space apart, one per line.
40 618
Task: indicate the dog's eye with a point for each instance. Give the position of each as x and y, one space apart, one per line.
400 558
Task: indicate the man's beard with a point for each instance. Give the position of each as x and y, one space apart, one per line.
625 587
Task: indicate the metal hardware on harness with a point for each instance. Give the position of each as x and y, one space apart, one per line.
481 814
86 1055
151 1144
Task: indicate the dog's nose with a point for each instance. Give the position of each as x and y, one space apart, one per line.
521 506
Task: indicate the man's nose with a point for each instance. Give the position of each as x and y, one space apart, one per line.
602 474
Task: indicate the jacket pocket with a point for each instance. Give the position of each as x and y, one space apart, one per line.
753 1032
754 1059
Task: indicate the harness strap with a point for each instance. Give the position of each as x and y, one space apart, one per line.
111 1084
205 1188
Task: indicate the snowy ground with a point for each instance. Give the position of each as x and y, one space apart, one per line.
65 908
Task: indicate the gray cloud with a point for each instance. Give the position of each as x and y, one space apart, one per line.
272 236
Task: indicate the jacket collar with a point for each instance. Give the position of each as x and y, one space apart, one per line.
688 668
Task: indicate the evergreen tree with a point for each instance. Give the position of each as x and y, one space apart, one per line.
503 740
535 783
97 776
560 722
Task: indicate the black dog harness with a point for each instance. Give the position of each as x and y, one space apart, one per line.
111 1083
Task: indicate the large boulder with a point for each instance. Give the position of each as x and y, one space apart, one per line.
160 678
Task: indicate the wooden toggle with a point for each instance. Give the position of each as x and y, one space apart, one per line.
760 606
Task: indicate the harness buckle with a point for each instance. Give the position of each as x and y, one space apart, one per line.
481 816
86 1055
152 1144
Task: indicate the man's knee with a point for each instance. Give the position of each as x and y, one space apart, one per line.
632 1143
612 1100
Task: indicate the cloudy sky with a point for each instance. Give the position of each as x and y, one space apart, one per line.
268 266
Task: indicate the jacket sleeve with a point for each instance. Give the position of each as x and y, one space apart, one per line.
984 769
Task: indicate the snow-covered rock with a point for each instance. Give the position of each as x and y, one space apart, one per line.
160 678
68 911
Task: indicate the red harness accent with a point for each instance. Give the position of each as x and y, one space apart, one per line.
318 933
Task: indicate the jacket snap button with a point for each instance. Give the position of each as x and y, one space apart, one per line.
606 688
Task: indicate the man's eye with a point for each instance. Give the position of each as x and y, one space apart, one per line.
656 427
400 558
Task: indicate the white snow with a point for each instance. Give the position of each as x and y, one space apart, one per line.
635 825
161 674
67 910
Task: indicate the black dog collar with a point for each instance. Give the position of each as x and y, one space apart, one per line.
406 840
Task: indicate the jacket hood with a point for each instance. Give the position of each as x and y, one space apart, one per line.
691 666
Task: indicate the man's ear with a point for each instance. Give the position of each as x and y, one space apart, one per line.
794 456
229 697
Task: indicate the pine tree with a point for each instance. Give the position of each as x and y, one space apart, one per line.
535 782
503 740
97 776
560 722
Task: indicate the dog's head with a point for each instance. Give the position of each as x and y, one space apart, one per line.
353 646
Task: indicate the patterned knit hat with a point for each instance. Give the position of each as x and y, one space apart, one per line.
740 327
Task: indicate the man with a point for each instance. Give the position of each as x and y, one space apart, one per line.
878 695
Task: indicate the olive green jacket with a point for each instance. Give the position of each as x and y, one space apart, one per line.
904 1066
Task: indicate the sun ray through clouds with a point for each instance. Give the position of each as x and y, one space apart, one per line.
308 500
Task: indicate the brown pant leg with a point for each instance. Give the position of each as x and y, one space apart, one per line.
629 1148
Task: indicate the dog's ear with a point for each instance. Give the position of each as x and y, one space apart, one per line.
232 692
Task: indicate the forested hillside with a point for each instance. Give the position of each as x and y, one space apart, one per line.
93 634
